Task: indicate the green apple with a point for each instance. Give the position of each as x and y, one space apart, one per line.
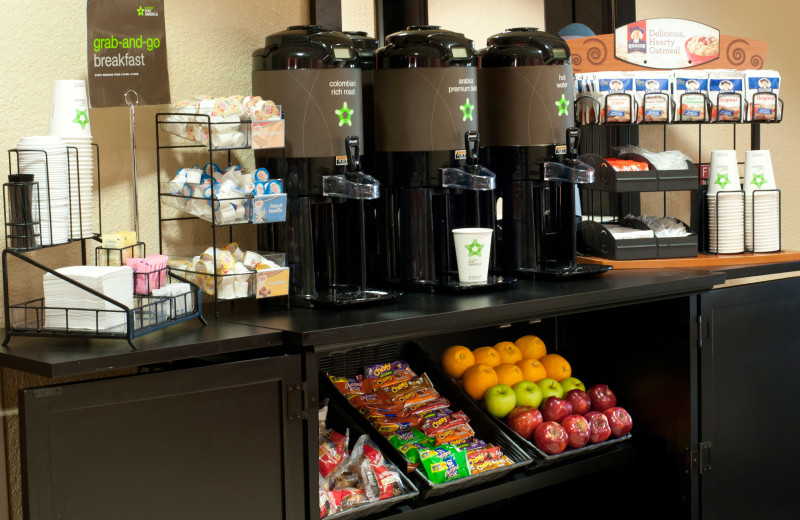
528 394
500 400
550 388
571 383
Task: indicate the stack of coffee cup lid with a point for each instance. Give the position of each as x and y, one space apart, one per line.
762 203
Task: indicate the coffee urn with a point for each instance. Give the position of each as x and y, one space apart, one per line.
525 90
427 142
314 75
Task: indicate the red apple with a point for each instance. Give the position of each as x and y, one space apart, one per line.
555 409
524 420
602 398
620 421
598 427
580 400
550 437
577 428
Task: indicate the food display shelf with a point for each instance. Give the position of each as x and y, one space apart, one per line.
352 363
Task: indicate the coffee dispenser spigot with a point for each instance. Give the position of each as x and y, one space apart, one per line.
473 176
354 184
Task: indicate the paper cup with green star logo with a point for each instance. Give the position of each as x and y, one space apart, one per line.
758 174
723 172
473 248
69 111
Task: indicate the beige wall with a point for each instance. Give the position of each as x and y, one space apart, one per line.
479 19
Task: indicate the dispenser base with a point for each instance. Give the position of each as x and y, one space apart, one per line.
553 271
451 284
345 297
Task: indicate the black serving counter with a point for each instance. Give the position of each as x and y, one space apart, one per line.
244 391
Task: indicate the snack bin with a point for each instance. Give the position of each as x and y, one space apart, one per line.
339 419
261 284
352 362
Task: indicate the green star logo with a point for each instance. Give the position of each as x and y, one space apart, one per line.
140 11
758 180
344 114
466 110
474 249
562 105
722 180
81 118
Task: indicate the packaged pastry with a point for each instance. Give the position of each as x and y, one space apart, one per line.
691 87
616 97
763 95
726 94
653 96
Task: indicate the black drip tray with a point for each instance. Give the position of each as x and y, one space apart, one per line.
451 284
569 271
341 297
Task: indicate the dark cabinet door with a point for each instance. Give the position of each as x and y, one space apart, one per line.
202 443
749 401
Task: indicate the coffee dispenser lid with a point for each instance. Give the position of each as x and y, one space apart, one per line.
426 46
362 41
524 46
307 46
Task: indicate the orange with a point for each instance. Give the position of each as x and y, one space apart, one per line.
556 366
456 360
532 369
508 374
477 379
508 351
531 346
487 356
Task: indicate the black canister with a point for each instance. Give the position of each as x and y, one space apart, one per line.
426 122
526 97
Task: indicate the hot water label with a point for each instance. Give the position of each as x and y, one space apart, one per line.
526 106
425 109
322 107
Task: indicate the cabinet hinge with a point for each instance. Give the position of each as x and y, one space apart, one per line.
700 459
295 401
703 331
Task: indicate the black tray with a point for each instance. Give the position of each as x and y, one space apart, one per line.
608 179
526 445
339 420
594 239
352 362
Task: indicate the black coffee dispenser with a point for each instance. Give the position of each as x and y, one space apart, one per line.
526 96
314 74
426 122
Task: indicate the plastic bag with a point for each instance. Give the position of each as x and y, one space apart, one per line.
669 160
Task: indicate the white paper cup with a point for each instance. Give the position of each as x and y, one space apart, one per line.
69 110
758 174
473 249
723 171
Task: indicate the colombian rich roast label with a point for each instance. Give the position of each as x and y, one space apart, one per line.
526 106
425 109
127 50
321 108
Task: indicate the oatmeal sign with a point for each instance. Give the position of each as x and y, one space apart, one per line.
666 43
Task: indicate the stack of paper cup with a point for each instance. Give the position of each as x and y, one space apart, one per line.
762 203
45 157
69 120
725 204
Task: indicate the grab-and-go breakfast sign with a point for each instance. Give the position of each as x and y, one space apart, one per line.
666 43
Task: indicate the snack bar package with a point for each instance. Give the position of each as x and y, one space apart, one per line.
690 91
726 93
763 94
616 97
652 94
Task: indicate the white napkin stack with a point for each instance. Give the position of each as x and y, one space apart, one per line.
114 282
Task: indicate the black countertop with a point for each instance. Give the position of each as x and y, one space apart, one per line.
419 314
60 357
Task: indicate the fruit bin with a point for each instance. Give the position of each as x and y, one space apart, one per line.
352 362
451 388
339 420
